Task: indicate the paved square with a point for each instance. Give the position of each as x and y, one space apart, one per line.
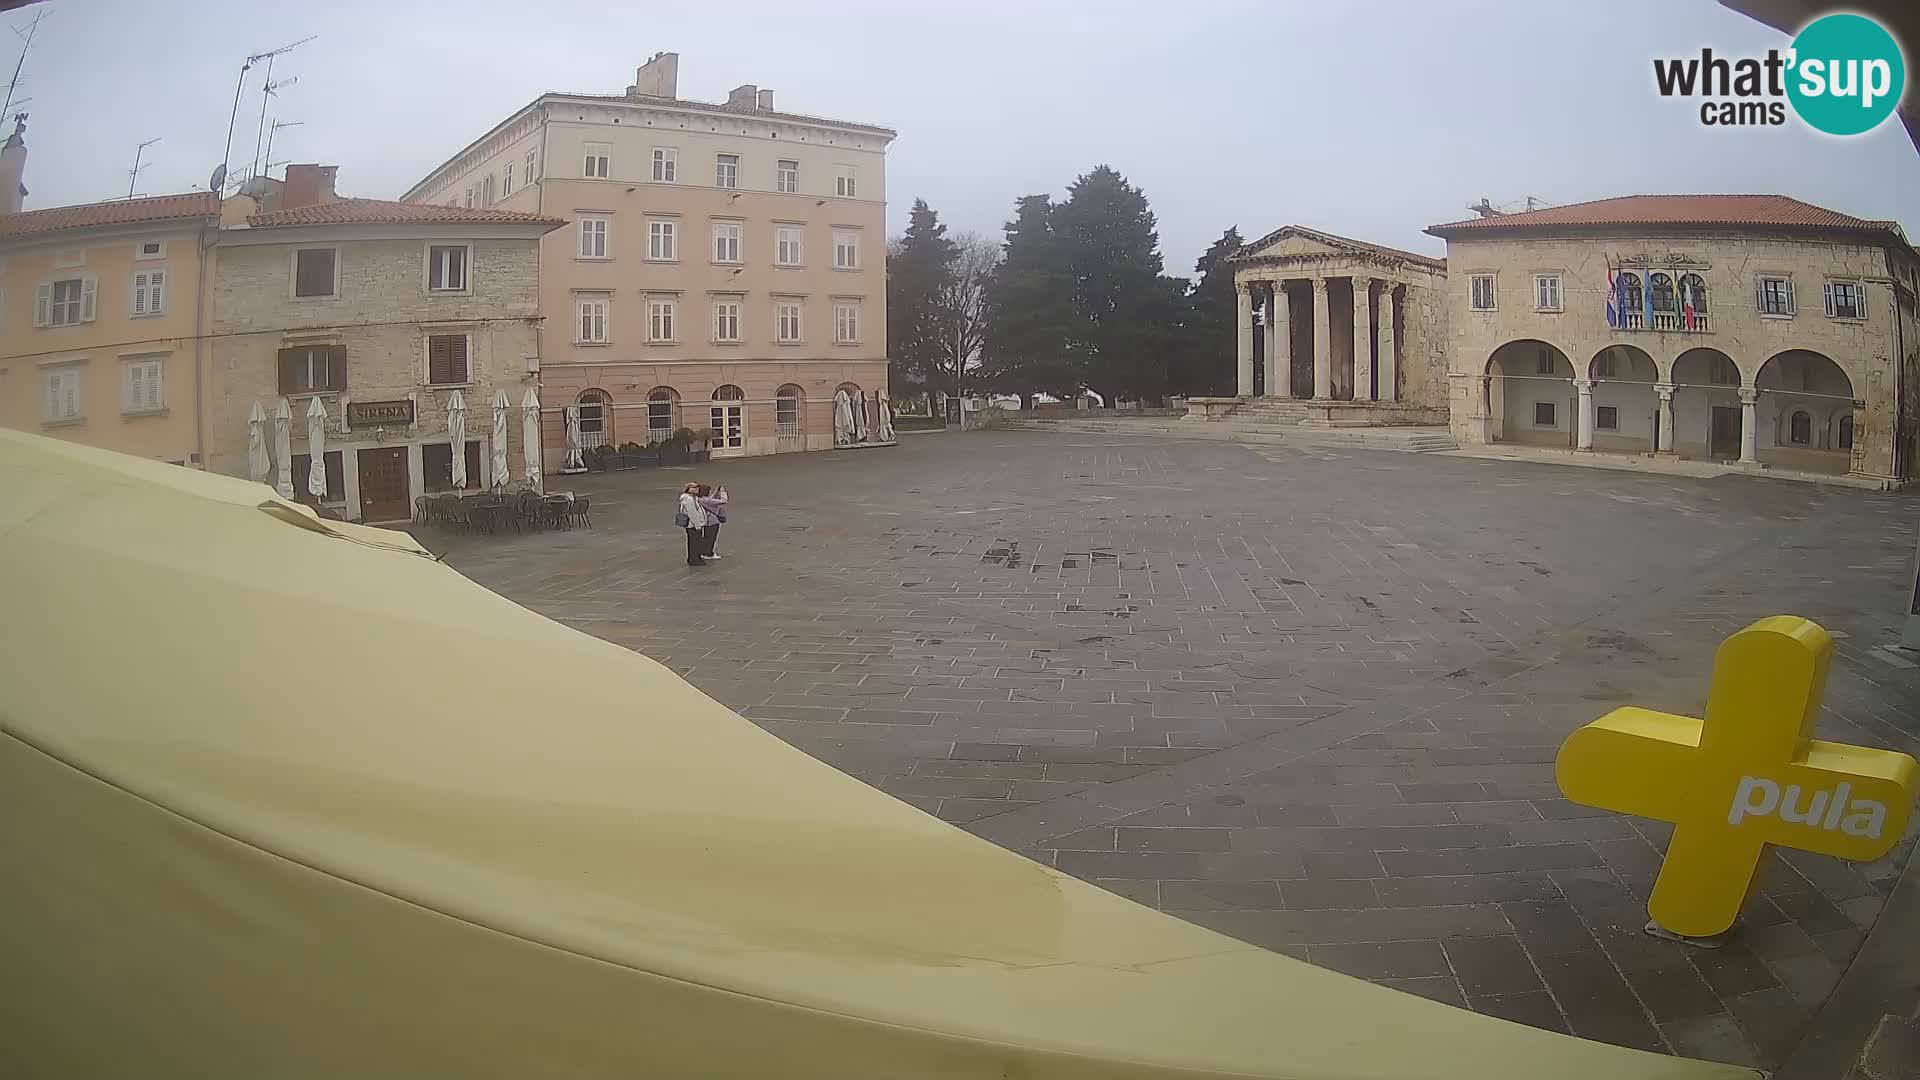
1309 698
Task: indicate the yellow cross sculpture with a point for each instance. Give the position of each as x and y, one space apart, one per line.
1749 775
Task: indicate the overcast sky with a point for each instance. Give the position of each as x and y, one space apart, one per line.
1371 120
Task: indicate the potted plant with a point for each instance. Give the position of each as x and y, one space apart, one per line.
677 449
705 440
595 458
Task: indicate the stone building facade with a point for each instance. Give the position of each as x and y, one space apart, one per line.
385 313
723 268
1352 331
1751 328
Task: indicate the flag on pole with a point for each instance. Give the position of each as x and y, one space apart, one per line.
1613 297
1686 305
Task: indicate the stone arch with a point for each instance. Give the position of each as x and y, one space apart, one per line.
1529 395
1801 397
1626 410
1707 414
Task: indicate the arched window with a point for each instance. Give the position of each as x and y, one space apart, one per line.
1693 302
1631 301
596 418
1845 441
1663 301
786 410
729 392
660 402
1800 428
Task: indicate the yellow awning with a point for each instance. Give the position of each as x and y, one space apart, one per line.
288 798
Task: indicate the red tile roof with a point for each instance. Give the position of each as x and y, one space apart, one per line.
118 212
1725 211
385 212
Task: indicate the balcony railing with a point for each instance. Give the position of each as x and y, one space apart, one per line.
1666 322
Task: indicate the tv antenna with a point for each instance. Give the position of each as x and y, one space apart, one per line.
133 174
226 156
267 89
13 84
266 160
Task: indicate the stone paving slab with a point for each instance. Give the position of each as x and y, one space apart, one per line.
1307 697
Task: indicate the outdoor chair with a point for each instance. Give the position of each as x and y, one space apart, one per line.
577 513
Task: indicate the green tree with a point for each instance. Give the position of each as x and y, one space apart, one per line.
1205 366
1113 257
1030 298
919 273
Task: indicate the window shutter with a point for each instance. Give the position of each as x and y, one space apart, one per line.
136 391
43 305
1790 301
439 359
457 363
289 358
156 288
336 367
54 379
87 293
1829 297
139 294
153 385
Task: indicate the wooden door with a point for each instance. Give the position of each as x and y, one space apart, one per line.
384 485
1723 437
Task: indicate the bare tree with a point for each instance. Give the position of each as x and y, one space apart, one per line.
964 312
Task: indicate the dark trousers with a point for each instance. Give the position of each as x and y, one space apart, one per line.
712 535
696 546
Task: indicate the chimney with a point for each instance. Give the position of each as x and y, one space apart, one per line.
765 100
744 96
13 167
658 77
308 185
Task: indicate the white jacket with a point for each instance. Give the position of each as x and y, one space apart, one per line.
696 514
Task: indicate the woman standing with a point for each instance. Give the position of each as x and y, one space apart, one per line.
693 518
715 504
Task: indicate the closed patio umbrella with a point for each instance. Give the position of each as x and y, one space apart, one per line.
233 880
283 448
259 465
501 407
574 458
530 437
316 478
457 434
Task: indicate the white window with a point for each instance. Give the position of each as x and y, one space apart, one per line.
1846 300
786 411
63 394
447 268
592 321
1546 292
487 192
506 180
846 250
666 164
593 237
660 240
786 176
726 241
846 321
66 302
786 321
786 245
469 198
726 320
726 170
1775 296
1480 289
150 292
660 320
150 249
845 182
599 161
141 390
527 172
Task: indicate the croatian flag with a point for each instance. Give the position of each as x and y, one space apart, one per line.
1613 298
1686 312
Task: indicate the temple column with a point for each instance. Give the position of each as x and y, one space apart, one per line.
1322 354
1280 343
1362 340
1749 419
1243 294
1388 364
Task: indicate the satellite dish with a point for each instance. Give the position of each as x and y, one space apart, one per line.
219 178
